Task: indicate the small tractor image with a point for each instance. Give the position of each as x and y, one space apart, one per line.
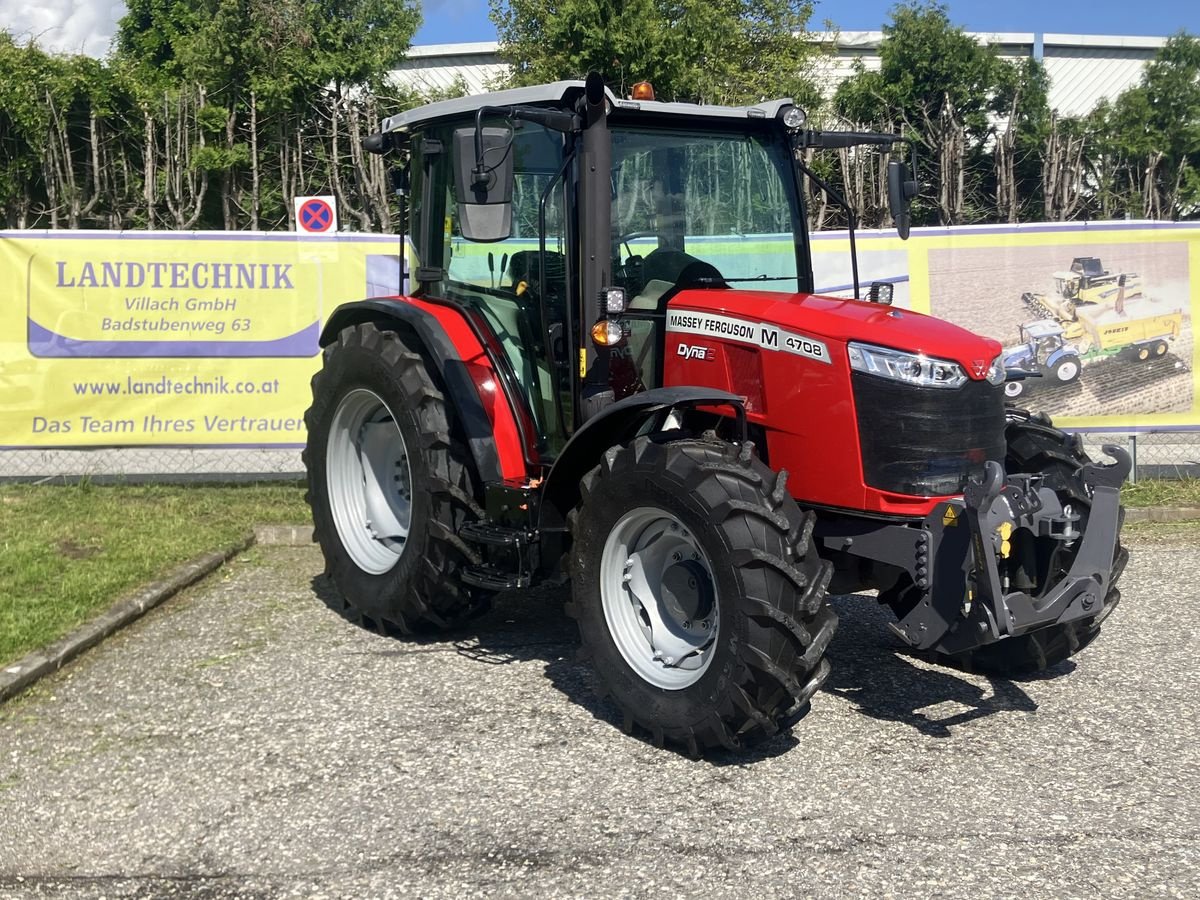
1043 352
1086 283
651 404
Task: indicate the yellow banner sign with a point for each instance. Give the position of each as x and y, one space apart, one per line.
210 339
171 339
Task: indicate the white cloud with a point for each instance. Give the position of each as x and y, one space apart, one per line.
64 26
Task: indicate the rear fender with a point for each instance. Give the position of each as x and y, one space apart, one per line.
1062 353
459 359
617 424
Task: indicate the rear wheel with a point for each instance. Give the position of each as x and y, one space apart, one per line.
1035 446
387 484
699 596
1066 370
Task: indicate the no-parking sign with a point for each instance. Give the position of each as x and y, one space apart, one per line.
316 215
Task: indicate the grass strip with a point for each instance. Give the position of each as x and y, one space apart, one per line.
68 551
1162 492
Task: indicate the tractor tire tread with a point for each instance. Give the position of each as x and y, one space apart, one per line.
780 665
435 597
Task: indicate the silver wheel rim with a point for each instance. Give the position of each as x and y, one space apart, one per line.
369 480
1067 371
667 641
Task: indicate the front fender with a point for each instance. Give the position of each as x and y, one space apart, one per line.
617 424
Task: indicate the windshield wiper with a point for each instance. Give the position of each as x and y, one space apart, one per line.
765 278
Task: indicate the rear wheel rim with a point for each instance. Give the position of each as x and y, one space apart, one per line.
659 598
1067 371
369 481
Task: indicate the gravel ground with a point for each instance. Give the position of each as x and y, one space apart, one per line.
244 740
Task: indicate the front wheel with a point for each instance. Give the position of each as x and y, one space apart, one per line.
699 596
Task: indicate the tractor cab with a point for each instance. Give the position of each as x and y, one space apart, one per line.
565 219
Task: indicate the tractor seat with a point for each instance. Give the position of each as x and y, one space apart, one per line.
679 268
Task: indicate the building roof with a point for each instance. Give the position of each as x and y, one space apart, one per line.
1083 68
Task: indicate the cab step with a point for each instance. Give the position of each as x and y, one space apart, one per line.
490 535
491 578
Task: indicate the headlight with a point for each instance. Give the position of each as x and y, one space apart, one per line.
911 368
996 373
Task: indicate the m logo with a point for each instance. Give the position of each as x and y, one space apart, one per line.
695 351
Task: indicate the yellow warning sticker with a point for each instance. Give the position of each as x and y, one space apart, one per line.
582 363
950 517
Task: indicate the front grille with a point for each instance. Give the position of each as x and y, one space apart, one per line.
924 441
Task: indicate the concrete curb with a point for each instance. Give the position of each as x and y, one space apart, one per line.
19 675
1162 514
283 535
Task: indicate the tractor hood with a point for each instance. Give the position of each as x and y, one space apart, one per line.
838 321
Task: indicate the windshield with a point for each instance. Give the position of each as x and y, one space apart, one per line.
723 201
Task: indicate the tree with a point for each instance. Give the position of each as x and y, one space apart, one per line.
954 97
1148 139
221 81
707 51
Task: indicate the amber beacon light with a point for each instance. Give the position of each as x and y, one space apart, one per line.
643 90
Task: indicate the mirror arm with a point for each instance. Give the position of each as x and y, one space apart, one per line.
554 119
839 200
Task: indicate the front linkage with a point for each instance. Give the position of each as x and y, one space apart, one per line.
1010 558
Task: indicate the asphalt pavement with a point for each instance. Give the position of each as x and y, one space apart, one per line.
243 740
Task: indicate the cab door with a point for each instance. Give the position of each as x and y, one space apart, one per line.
519 290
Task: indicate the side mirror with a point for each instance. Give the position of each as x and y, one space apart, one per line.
484 183
901 190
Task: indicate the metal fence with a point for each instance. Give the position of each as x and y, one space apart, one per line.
151 464
1157 454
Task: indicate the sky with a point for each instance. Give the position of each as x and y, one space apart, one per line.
87 26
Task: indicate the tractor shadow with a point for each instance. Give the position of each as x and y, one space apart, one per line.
881 677
869 667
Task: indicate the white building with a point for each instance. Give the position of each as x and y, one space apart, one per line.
1083 68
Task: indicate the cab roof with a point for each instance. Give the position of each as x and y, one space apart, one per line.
563 93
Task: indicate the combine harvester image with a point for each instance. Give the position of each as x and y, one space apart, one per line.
1139 329
1086 283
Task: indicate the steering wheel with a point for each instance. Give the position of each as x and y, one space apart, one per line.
624 239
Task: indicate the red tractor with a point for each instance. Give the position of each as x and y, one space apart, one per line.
610 367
